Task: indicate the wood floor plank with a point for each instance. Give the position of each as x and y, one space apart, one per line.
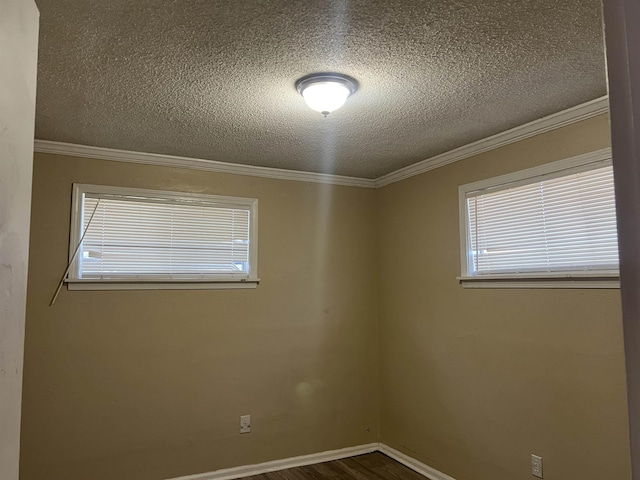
328 470
371 466
388 470
359 471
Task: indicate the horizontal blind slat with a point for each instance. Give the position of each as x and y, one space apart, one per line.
563 223
131 236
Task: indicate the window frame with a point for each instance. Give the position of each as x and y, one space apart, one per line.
75 282
560 168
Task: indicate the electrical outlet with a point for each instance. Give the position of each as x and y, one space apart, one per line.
245 423
536 466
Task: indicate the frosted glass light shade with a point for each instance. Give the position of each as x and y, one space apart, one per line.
325 96
325 93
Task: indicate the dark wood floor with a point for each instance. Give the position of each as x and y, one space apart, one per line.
372 466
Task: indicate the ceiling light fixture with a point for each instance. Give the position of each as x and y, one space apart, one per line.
326 92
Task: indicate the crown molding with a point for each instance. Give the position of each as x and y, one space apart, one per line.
100 153
557 120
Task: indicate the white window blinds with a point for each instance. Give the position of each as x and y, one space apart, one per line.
141 235
559 222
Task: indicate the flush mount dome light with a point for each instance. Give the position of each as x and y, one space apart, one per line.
326 92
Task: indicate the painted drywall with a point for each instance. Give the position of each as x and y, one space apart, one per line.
475 381
135 385
341 335
18 60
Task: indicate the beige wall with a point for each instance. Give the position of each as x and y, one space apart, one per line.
474 381
18 60
150 384
141 385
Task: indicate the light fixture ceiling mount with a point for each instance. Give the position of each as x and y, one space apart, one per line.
326 92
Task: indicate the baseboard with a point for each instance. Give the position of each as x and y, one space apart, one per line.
257 469
275 465
413 464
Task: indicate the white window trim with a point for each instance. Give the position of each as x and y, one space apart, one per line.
603 279
75 283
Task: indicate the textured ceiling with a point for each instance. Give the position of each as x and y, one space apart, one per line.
215 79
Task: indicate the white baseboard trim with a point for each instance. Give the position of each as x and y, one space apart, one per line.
275 465
414 464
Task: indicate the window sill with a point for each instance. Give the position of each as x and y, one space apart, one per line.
158 285
602 281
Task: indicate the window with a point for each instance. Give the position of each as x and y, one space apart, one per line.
134 238
553 225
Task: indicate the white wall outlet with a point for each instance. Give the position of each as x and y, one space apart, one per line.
245 423
536 466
